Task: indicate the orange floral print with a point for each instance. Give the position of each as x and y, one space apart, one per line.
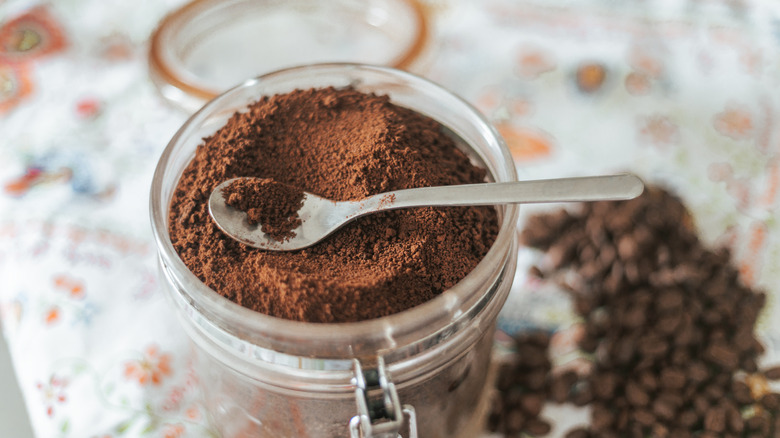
74 287
173 431
88 108
735 122
646 63
524 143
52 315
638 84
15 86
488 101
53 393
659 130
756 240
34 176
772 185
193 413
30 36
533 62
590 77
151 369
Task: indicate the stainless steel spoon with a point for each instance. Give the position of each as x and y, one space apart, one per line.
321 217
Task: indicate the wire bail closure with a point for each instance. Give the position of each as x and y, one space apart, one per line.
380 414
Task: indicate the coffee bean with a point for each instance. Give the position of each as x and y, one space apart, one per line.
636 395
561 386
653 346
688 419
714 392
514 422
701 404
579 432
663 409
581 393
772 373
604 385
759 422
644 417
734 419
601 418
715 420
532 404
722 355
771 402
537 427
741 392
673 378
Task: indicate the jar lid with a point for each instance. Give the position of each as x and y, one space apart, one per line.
208 46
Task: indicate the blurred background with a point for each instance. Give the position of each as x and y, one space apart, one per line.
684 93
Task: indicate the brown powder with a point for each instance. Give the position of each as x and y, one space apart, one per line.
343 145
269 203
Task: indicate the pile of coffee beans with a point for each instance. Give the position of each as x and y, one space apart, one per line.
525 387
667 321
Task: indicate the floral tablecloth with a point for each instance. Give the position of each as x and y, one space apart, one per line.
684 93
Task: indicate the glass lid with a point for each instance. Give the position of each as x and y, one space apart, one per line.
208 46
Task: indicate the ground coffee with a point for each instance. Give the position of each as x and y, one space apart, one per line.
668 322
343 145
272 205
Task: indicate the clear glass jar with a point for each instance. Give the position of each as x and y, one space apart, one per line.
208 46
266 376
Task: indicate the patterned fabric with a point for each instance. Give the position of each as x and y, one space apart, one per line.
684 93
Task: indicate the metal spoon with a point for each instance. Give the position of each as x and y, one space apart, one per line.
321 217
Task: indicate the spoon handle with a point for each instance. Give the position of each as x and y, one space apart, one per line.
589 188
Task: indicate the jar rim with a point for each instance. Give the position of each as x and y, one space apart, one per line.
168 70
385 332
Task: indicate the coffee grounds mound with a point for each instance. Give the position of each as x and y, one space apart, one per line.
667 322
340 144
271 204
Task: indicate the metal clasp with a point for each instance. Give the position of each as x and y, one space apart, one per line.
380 414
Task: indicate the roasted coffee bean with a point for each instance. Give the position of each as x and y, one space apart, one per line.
537 427
714 392
741 392
644 417
636 395
604 385
715 420
515 420
688 419
601 419
532 404
771 402
734 419
581 393
723 355
536 380
673 378
772 373
579 432
664 409
561 386
760 422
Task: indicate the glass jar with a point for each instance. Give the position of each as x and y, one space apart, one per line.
208 46
424 367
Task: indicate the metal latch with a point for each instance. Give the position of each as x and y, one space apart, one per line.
380 414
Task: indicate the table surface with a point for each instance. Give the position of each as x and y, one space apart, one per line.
683 93
13 413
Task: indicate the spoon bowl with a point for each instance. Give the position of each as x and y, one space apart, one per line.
319 217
